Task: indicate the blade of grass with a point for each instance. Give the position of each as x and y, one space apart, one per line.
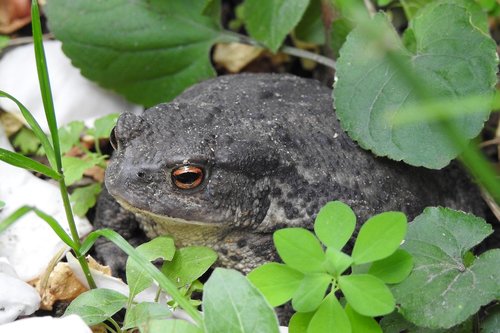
57 228
471 157
24 162
43 78
48 104
447 109
35 127
9 220
162 280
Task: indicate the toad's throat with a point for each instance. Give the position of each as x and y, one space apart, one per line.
184 232
164 219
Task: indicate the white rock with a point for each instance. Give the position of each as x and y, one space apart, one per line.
29 244
75 98
71 323
17 298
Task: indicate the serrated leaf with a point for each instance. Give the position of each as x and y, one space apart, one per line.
84 198
379 237
188 264
231 304
143 313
270 21
370 89
330 317
442 291
69 135
335 224
104 125
311 292
299 249
366 294
360 323
337 262
160 247
396 323
394 268
96 305
277 282
26 141
149 52
74 167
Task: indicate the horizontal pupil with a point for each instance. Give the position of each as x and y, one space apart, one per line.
187 177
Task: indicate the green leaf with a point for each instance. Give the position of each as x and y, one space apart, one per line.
491 322
270 21
341 28
360 323
277 282
371 88
188 264
161 247
299 249
2 204
311 292
26 141
69 135
367 295
13 217
411 7
104 125
143 313
330 317
150 53
299 322
74 167
310 28
442 291
145 265
24 162
396 323
35 127
53 151
394 268
379 237
170 326
337 262
335 224
84 198
231 304
96 305
382 3
4 41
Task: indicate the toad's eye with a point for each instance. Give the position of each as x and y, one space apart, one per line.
187 177
112 139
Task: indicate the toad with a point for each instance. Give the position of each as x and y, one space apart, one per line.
235 158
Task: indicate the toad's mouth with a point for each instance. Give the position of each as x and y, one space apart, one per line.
164 219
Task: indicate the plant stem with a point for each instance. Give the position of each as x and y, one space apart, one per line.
74 233
309 55
233 37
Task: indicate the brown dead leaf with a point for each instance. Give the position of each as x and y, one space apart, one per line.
14 14
235 56
61 285
10 122
106 270
96 173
